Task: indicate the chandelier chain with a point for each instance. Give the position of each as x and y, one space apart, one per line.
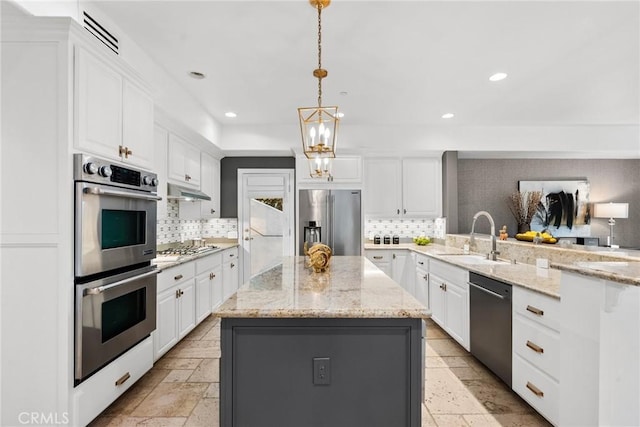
319 52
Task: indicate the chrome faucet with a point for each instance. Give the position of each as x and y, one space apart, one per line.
493 254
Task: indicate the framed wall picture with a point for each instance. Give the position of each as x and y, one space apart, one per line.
564 208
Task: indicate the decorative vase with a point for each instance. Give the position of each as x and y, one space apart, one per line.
523 228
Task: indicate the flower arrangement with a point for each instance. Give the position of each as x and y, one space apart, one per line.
523 206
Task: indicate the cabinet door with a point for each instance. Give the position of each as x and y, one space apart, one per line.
382 187
176 159
457 313
99 106
161 141
187 311
229 278
137 125
203 297
166 333
436 295
421 187
210 185
399 270
422 286
216 287
192 165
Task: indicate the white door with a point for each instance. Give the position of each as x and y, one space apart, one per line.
266 218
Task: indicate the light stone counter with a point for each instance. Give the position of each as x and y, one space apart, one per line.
352 287
615 271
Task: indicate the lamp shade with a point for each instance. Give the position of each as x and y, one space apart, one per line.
611 210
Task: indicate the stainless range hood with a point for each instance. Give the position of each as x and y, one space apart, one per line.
184 193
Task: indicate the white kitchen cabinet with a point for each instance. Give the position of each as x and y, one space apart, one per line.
381 259
345 169
421 281
114 115
161 145
210 185
449 295
402 270
183 162
176 307
403 188
208 285
230 271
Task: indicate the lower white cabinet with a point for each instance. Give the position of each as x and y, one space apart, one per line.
449 297
536 351
381 259
176 310
421 281
208 278
402 269
230 268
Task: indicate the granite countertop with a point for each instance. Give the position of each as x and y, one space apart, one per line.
352 287
163 265
626 272
545 281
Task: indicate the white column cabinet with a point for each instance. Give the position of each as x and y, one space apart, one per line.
403 188
114 115
210 185
184 162
161 145
449 296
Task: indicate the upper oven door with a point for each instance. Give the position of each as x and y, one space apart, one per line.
114 227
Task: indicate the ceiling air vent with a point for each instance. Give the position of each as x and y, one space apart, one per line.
100 32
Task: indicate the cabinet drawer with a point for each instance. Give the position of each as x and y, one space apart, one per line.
208 263
537 307
449 272
536 388
377 256
103 388
230 254
174 275
540 346
422 261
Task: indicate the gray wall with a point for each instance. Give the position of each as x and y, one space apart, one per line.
450 190
485 184
229 178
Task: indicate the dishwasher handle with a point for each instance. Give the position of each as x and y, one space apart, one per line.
490 292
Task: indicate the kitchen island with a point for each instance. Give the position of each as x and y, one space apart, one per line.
339 348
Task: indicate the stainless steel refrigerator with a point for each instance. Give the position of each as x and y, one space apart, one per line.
332 217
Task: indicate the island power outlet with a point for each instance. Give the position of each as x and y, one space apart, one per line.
321 371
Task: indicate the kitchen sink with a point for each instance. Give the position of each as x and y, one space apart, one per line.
471 259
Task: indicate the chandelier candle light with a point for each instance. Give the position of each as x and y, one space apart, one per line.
319 125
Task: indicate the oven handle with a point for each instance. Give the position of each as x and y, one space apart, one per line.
101 192
101 289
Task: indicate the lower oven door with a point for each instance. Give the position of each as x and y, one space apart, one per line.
112 315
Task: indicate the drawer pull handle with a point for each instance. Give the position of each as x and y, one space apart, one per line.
535 347
421 262
535 310
234 254
178 277
377 257
123 379
535 390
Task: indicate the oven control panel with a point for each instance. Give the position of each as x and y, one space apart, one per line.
94 169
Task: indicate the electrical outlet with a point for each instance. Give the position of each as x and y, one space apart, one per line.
321 371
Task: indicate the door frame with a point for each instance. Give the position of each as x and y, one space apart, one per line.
288 209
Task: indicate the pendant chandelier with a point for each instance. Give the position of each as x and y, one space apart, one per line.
319 125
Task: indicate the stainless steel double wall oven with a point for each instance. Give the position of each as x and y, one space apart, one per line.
115 241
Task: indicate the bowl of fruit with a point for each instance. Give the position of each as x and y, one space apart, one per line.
421 240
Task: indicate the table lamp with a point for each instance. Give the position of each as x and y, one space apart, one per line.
611 211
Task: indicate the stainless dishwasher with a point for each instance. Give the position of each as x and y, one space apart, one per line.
490 324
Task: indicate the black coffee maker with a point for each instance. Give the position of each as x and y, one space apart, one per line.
312 233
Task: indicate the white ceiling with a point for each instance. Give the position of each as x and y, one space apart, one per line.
401 63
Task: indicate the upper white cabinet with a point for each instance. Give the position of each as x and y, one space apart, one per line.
344 170
396 188
184 162
114 115
210 185
161 141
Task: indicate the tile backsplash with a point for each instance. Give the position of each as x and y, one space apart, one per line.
399 227
173 229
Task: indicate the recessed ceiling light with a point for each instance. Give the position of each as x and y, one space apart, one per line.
498 76
196 75
341 115
230 114
447 116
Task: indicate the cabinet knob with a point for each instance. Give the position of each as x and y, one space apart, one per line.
232 265
211 276
177 293
128 153
187 177
394 256
404 211
426 277
213 211
398 211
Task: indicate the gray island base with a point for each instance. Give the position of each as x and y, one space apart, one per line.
303 349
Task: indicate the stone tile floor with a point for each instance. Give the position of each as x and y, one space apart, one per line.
182 388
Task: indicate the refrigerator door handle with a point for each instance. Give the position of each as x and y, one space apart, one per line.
333 215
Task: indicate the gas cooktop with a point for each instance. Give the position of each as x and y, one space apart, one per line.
174 254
